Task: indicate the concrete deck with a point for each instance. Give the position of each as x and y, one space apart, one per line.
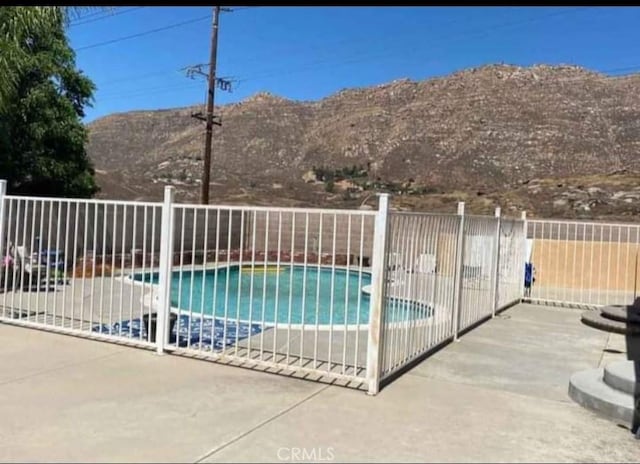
498 395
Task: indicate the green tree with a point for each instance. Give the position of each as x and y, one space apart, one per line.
16 25
42 138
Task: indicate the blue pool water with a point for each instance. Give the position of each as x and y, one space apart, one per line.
277 295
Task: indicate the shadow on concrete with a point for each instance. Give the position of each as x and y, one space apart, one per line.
633 354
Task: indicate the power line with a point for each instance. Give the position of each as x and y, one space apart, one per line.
324 108
80 17
141 34
259 77
240 8
356 109
327 46
150 90
137 77
159 72
290 71
287 50
158 91
544 83
354 58
105 16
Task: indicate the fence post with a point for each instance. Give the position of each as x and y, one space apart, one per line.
376 308
496 289
524 253
166 262
3 192
459 279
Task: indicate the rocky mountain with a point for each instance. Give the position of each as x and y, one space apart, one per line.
559 141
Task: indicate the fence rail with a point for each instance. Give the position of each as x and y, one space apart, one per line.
345 295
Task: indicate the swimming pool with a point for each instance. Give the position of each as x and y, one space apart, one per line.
315 295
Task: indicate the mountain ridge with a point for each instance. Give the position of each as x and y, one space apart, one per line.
480 135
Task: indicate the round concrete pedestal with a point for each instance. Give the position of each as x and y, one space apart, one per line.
613 392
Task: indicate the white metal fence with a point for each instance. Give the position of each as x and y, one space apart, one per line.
68 262
478 275
351 296
511 259
420 286
445 273
584 263
292 294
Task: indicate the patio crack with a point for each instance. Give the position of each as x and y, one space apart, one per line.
261 424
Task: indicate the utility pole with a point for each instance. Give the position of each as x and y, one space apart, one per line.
209 117
206 174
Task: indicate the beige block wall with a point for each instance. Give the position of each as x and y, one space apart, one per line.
586 264
413 235
445 257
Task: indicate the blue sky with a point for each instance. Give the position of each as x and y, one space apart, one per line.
306 53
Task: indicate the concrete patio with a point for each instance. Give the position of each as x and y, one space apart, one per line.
498 395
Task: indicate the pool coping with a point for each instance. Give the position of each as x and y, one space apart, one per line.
146 299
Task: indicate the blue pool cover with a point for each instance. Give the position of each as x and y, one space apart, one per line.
191 332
